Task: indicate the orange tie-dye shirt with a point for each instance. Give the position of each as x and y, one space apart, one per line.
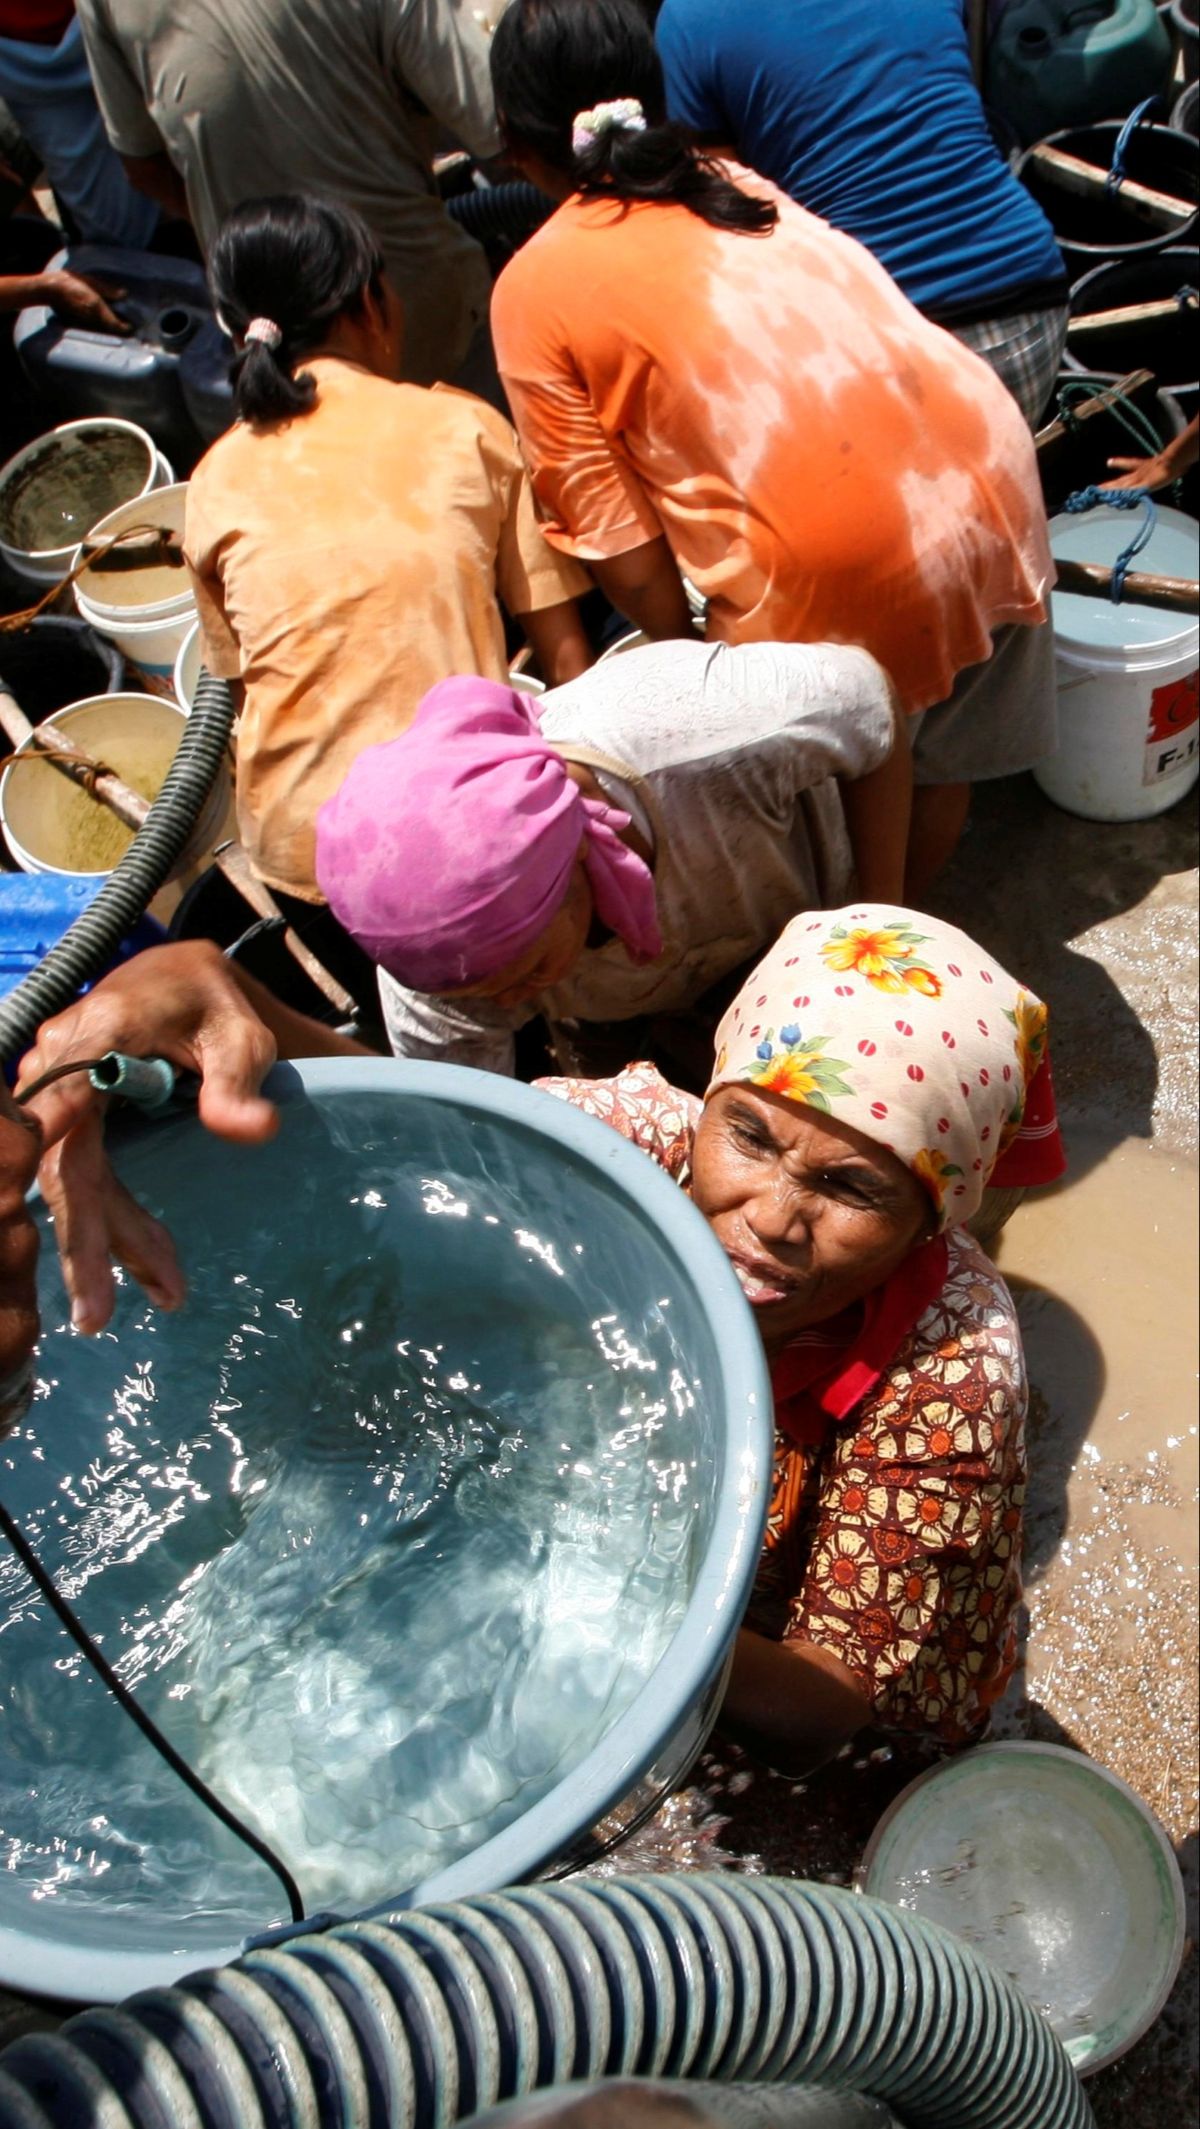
826 465
343 564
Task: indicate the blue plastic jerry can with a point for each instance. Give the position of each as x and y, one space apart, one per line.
1057 63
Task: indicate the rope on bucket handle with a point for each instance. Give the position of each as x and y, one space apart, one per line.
1119 499
11 624
1117 172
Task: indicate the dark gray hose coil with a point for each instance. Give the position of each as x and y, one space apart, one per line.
512 211
427 2019
96 934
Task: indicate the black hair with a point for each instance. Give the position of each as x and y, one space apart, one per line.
551 59
299 262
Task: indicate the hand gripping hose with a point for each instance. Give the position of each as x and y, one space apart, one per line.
429 2018
97 932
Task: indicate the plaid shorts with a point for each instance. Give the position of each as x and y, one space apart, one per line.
1025 351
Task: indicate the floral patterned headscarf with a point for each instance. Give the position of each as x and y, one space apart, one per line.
899 1025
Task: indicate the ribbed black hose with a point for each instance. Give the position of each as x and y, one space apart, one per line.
96 934
512 211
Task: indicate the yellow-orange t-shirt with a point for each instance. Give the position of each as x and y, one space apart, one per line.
345 562
826 465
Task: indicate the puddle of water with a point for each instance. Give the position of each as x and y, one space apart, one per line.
1105 1277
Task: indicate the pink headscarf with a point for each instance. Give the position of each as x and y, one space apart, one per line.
450 849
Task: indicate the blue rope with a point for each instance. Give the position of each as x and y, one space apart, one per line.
1119 499
1116 171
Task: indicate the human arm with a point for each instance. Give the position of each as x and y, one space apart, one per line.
878 808
156 177
558 640
75 297
440 55
539 586
186 1003
20 1147
645 585
791 1703
442 1031
1170 464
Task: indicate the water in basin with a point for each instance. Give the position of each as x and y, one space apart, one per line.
60 492
385 1528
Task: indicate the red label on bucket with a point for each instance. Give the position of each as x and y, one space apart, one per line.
1173 732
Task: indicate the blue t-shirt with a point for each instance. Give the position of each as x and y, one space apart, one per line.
866 111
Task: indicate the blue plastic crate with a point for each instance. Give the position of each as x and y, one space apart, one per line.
35 911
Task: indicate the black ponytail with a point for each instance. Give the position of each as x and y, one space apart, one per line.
299 263
552 59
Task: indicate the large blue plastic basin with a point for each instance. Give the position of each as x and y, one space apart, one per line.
645 1246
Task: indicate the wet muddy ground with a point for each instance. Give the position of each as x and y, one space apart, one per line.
1102 921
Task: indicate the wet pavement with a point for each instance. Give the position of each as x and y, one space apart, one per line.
1101 920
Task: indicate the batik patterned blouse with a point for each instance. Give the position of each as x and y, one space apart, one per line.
895 1543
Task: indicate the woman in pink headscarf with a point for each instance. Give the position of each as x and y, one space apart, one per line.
877 1072
607 855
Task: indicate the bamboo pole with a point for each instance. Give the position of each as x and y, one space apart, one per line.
1180 595
1161 209
1124 388
104 785
1103 321
83 768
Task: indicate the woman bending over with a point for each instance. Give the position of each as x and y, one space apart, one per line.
709 382
352 539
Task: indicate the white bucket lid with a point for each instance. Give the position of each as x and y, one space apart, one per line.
1086 624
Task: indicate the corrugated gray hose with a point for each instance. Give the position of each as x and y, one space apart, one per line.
512 211
96 934
429 2018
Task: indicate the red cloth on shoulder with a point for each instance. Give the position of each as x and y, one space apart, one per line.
1037 1154
825 1373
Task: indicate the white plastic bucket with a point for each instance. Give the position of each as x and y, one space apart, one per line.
45 565
1128 715
187 667
157 594
154 646
50 823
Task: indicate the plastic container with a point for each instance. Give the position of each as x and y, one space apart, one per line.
45 565
1055 63
646 1257
1093 229
1185 21
149 624
1168 346
57 660
51 824
187 667
1127 677
153 646
170 374
1185 111
35 913
1055 1872
159 593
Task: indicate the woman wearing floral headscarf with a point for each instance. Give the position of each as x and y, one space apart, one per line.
871 1078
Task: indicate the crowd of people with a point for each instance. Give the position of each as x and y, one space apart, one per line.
770 367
